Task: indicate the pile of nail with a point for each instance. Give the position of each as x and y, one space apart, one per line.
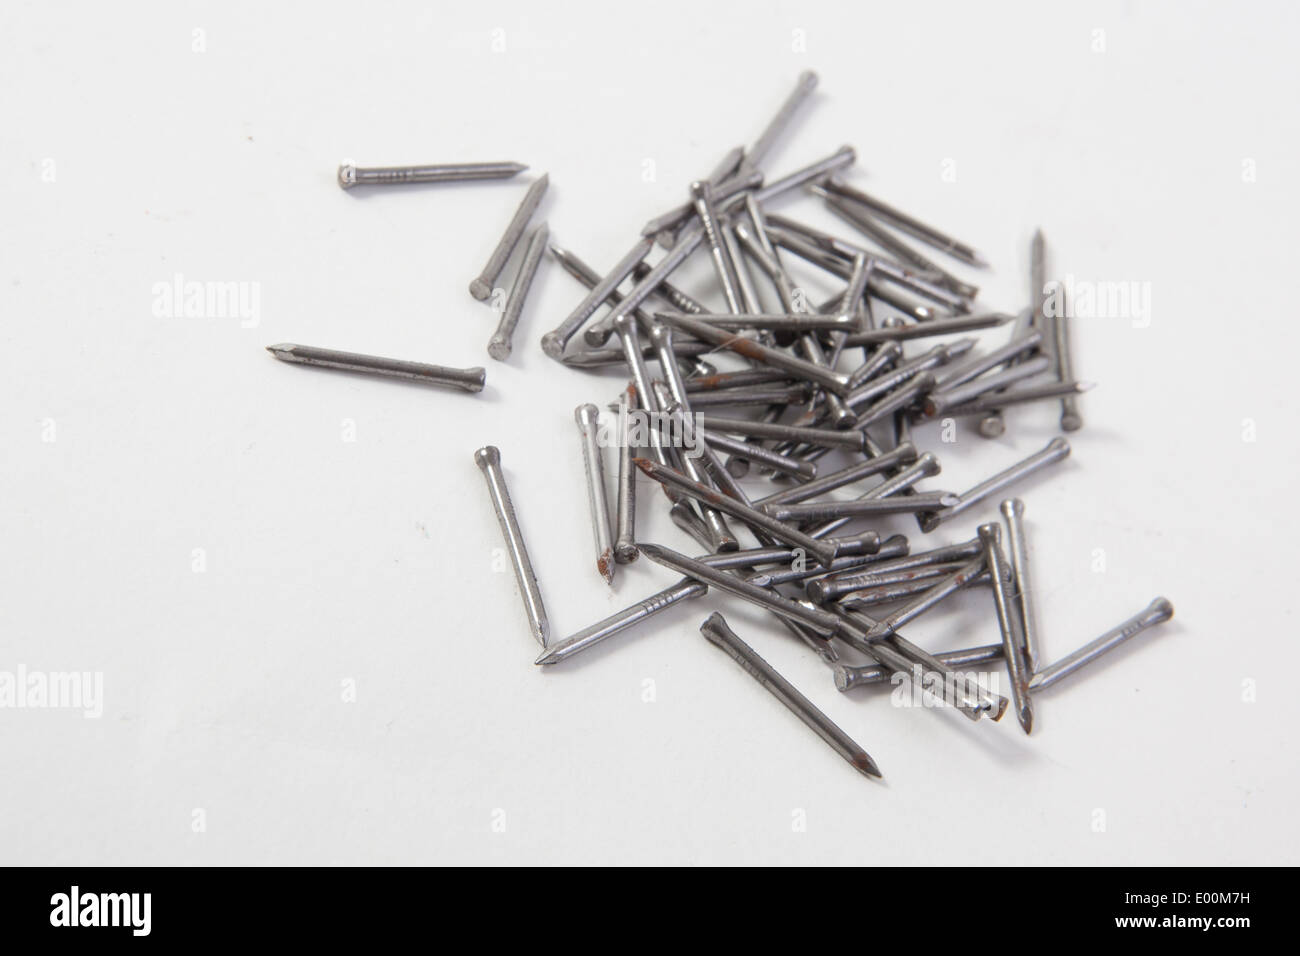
837 379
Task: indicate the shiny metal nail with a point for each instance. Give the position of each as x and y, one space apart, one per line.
625 551
669 222
926 600
554 342
702 199
840 159
620 621
991 537
977 365
913 393
824 551
587 417
1056 450
905 223
488 458
481 287
823 510
803 89
1154 613
501 343
720 635
893 593
921 330
834 586
350 175
1013 510
465 379
939 401
759 429
926 466
902 455
848 677
1018 396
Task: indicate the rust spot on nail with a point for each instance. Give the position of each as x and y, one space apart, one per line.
605 565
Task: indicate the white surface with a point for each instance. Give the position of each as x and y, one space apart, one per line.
371 560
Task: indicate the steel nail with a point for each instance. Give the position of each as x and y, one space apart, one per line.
848 677
587 417
1056 450
622 620
488 458
824 510
554 342
499 347
991 537
465 379
625 551
350 175
719 634
481 288
1154 613
1013 510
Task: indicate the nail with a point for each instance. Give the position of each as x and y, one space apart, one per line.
904 454
759 455
554 342
794 574
848 677
851 439
884 355
684 516
992 424
938 402
915 391
926 466
893 593
744 181
927 599
350 175
1071 420
1018 396
991 537
465 379
1157 611
606 358
1013 510
622 620
1056 450
902 333
862 395
501 343
488 459
857 217
834 586
979 364
858 546
776 321
481 287
625 551
825 552
841 158
824 510
587 417
803 89
905 223
766 395
720 635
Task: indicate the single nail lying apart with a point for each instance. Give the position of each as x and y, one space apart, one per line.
500 345
465 379
587 418
488 459
350 175
803 89
720 635
1156 612
481 287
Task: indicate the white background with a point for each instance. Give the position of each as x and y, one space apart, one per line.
371 561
